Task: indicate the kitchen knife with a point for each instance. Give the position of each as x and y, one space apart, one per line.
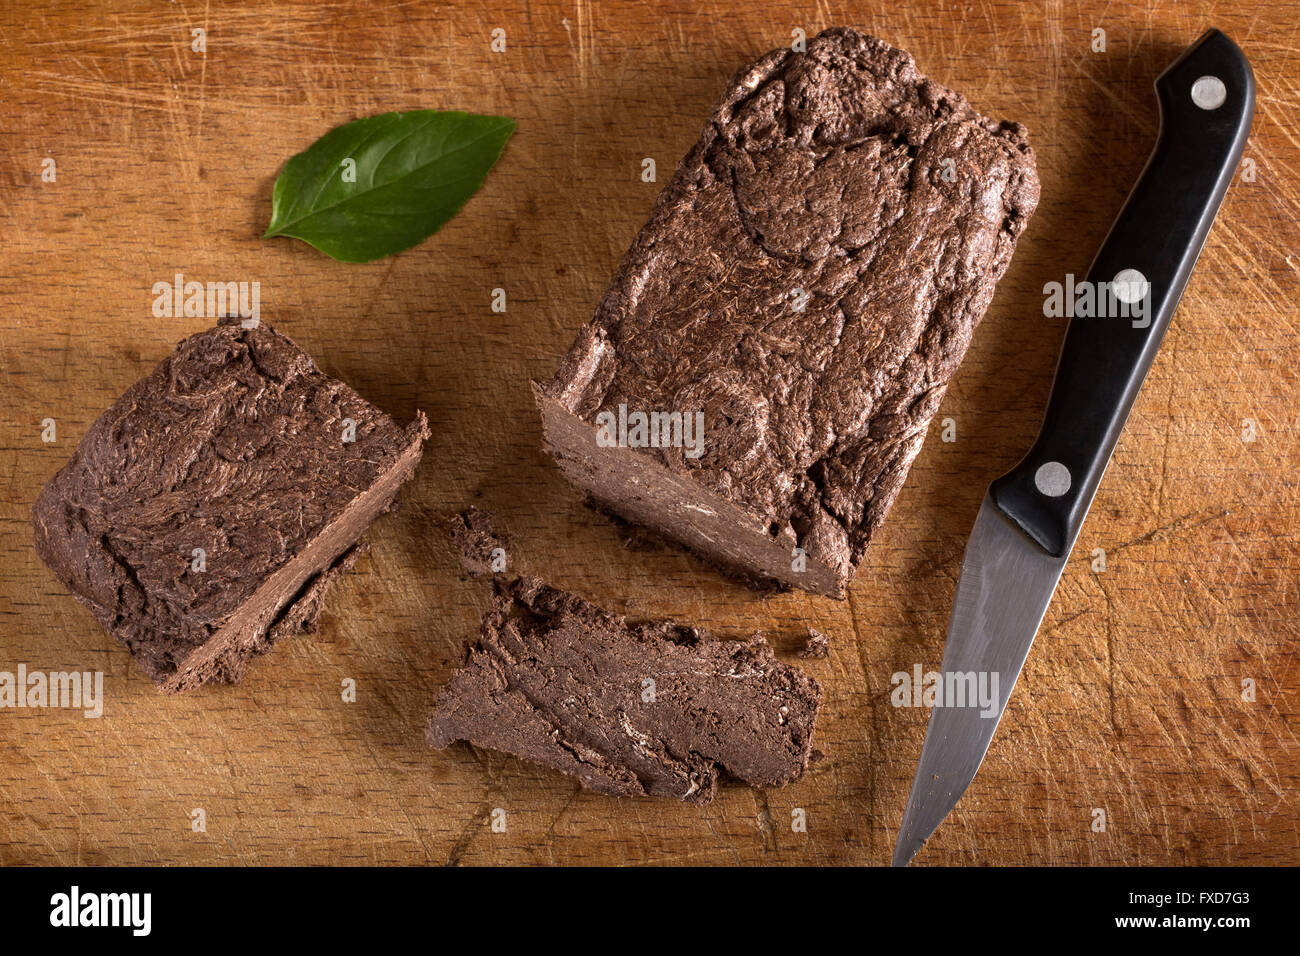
1031 516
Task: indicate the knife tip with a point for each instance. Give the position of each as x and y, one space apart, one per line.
904 851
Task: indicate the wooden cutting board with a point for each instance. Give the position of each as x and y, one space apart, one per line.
1132 700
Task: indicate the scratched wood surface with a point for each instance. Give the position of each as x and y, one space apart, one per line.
1132 700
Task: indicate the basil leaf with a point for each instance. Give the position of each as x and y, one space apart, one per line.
382 184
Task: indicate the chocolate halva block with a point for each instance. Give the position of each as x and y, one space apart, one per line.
762 369
629 709
204 515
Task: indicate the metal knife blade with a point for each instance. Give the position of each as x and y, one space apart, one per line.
1031 516
990 632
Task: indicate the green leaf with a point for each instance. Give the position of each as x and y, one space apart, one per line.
413 172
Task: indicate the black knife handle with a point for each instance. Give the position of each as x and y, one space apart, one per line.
1159 233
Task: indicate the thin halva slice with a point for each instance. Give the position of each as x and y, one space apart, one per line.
628 709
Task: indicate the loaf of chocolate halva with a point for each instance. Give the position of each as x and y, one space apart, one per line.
762 369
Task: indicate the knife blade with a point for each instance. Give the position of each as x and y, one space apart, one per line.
1030 517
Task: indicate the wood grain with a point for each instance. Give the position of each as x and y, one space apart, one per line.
1132 698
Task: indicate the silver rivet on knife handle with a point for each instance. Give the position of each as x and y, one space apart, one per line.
1052 479
1130 286
1209 93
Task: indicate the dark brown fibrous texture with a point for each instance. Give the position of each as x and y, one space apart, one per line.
817 647
204 514
628 709
474 536
809 280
